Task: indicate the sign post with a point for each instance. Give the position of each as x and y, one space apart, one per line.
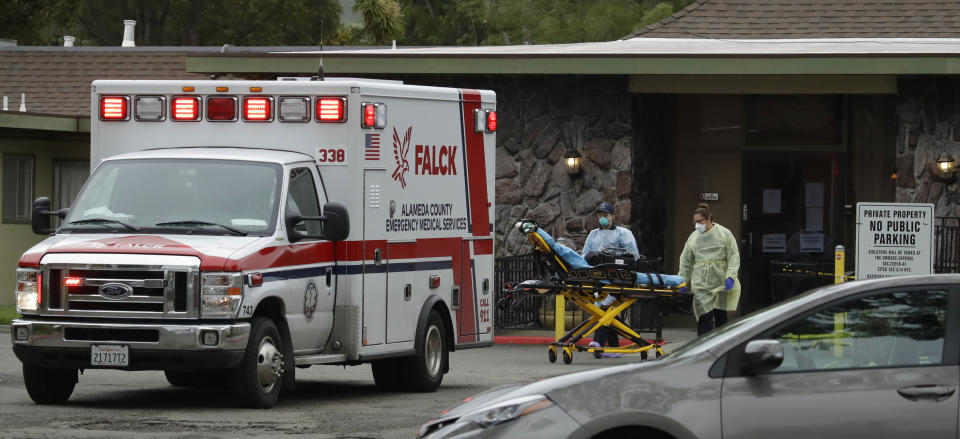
894 239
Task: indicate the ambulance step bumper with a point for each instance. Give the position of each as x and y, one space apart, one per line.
151 346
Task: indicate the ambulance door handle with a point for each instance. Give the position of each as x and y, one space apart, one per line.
407 292
329 276
377 257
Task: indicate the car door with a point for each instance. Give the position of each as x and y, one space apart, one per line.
878 365
312 277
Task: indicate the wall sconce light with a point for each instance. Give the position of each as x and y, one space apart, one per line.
573 159
946 164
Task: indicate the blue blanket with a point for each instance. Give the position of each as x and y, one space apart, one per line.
576 262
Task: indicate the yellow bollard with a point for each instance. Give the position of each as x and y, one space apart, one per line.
559 316
839 264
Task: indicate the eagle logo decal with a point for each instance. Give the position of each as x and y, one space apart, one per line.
400 150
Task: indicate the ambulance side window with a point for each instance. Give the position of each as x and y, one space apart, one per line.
302 198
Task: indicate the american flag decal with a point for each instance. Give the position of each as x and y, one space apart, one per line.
371 147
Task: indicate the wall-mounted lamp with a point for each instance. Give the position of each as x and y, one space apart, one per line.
946 164
573 159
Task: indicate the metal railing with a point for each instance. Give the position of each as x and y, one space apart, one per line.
946 243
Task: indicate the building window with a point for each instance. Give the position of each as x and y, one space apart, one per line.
17 187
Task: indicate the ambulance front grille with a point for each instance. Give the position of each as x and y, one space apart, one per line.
141 292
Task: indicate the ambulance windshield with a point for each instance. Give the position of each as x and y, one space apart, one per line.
178 197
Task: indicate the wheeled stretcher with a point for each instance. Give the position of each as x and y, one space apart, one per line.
583 284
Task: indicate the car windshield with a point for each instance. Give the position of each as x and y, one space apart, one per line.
178 196
735 327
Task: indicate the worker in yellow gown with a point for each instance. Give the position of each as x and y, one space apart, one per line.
710 262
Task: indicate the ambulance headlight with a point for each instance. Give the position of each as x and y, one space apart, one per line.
28 290
220 294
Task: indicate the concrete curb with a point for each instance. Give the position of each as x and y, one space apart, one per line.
528 340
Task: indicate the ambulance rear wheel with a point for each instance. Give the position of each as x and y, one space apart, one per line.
552 354
257 382
47 385
425 370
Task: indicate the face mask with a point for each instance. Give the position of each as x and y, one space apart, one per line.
700 227
604 221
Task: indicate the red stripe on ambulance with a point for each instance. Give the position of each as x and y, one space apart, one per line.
476 166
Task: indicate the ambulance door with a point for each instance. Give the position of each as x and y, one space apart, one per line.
374 258
311 271
466 302
403 283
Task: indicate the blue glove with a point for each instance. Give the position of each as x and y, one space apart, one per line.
728 285
683 289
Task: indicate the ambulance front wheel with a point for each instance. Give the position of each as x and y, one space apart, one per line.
427 367
257 381
47 385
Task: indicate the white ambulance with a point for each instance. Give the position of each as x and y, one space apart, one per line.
232 231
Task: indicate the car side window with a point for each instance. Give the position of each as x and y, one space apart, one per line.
893 329
302 198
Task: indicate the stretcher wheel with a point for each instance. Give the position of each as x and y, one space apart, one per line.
659 353
567 356
643 355
552 354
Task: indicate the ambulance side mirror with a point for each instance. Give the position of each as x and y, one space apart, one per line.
40 219
335 223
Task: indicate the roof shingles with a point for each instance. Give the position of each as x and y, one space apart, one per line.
767 19
58 82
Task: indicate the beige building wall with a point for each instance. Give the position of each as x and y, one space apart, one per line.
707 158
16 238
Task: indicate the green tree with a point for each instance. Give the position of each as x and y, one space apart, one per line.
383 19
173 22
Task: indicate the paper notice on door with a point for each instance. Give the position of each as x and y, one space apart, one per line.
814 195
771 201
775 242
814 219
811 243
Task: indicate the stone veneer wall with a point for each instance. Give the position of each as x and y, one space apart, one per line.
928 117
540 119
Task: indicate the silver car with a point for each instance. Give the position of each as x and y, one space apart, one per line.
874 359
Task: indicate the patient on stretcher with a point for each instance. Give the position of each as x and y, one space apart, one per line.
579 269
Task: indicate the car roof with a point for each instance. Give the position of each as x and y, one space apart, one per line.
218 153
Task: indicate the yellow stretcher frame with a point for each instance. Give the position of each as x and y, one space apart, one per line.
584 294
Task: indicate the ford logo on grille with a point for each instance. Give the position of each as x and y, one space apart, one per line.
115 291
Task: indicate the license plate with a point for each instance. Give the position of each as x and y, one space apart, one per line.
109 355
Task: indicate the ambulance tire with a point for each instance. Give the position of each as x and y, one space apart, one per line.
47 385
425 369
256 383
388 373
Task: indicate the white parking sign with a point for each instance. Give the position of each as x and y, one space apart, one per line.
894 239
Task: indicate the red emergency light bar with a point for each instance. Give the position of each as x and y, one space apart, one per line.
72 281
185 108
222 108
331 109
114 107
257 109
